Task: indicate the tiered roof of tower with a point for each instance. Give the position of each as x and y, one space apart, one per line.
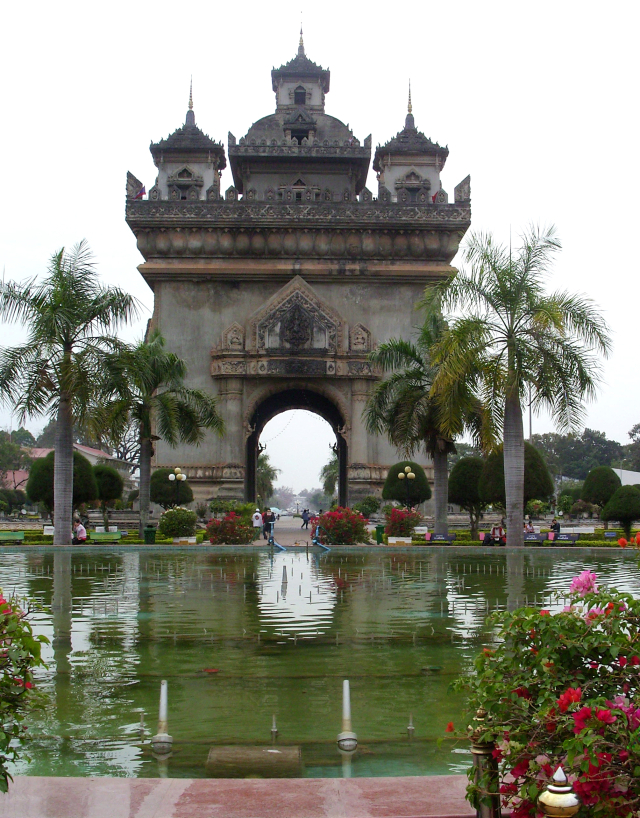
410 141
301 66
189 139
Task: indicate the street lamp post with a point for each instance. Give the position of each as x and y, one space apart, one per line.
177 476
409 475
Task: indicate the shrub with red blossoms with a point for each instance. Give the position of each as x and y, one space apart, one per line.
343 526
19 655
563 688
401 523
232 529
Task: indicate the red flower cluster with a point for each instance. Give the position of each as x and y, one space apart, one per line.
569 696
343 527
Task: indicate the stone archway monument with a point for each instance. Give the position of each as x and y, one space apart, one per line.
275 294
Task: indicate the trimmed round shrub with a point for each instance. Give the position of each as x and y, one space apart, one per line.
538 484
624 506
163 491
178 522
233 529
402 490
464 489
367 506
600 485
40 482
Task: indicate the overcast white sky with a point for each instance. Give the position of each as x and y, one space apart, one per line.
538 102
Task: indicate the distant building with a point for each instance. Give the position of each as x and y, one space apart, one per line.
628 478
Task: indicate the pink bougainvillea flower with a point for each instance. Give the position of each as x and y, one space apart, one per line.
584 583
622 661
567 609
544 612
594 613
635 660
522 693
581 718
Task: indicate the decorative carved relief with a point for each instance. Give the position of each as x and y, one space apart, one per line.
360 368
233 337
296 319
462 191
360 339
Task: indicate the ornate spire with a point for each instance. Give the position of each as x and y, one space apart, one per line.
301 44
191 95
191 117
409 123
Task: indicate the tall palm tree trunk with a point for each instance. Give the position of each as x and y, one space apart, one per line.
145 482
440 488
514 467
63 473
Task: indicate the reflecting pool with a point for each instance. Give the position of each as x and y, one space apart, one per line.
245 635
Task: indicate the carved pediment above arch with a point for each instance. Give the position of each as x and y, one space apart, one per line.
360 339
233 338
295 319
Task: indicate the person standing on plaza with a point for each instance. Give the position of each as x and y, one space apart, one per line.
305 518
256 522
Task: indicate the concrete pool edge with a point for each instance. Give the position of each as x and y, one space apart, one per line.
392 797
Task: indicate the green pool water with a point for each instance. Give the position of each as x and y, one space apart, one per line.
238 645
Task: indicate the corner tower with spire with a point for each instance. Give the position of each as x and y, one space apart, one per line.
189 163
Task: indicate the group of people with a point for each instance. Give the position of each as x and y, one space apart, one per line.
264 520
498 535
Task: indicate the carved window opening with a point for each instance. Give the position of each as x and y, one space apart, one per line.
300 96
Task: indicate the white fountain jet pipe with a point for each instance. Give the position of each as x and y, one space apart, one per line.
284 575
410 728
274 729
347 739
161 743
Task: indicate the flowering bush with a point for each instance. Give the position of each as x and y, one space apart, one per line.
19 655
564 689
233 529
343 526
401 523
178 522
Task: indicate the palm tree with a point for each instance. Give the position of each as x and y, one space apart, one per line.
330 474
70 319
149 381
404 408
516 345
266 474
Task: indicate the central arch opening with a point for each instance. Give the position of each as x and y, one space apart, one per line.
281 402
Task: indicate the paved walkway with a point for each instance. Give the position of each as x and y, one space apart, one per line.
411 797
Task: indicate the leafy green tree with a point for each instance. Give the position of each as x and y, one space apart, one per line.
600 485
514 343
169 493
329 474
575 455
403 407
23 437
12 456
40 485
631 452
464 489
537 484
110 485
71 319
624 506
409 492
151 395
266 475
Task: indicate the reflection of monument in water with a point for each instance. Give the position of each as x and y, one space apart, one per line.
276 291
295 597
